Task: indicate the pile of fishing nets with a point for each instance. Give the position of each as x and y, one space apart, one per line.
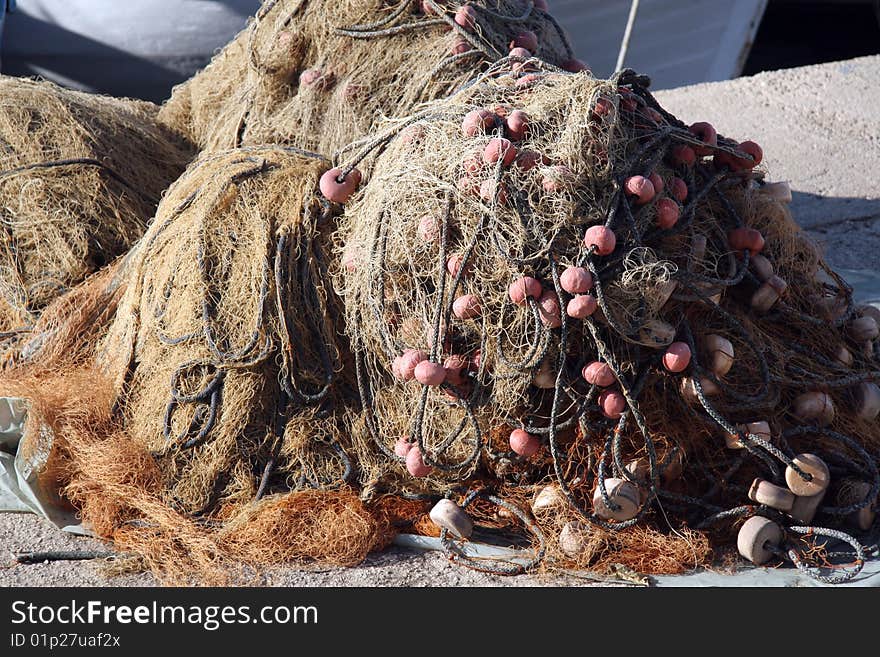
80 178
538 311
558 293
318 74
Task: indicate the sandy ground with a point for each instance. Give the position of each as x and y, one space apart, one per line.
820 129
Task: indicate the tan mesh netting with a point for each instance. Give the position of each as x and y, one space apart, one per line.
319 74
596 330
80 178
448 225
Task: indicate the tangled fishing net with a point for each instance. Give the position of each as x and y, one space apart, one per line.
80 178
317 74
188 389
558 295
553 311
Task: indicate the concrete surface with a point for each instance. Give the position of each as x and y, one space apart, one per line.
820 129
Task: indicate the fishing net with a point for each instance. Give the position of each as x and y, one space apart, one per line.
193 390
317 74
80 178
556 289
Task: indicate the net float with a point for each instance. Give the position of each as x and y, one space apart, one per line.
468 186
545 377
557 178
315 78
429 373
622 493
761 266
867 310
460 47
639 471
863 329
454 365
778 191
668 213
574 65
627 102
679 189
612 404
477 121
641 188
550 499
742 239
689 388
499 148
455 264
523 288
601 238
518 54
473 164
429 229
672 467
814 407
854 492
658 183
516 125
466 17
476 361
665 291
548 308
761 429
764 298
581 306
461 391
575 538
528 160
576 280
490 191
749 148
804 508
654 116
776 497
336 188
415 465
409 360
524 443
656 334
706 133
757 539
541 5
677 357
466 306
843 356
598 374
447 515
412 134
867 398
525 39
603 107
719 354
402 447
811 465
682 155
529 78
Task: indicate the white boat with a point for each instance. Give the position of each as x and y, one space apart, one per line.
675 42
